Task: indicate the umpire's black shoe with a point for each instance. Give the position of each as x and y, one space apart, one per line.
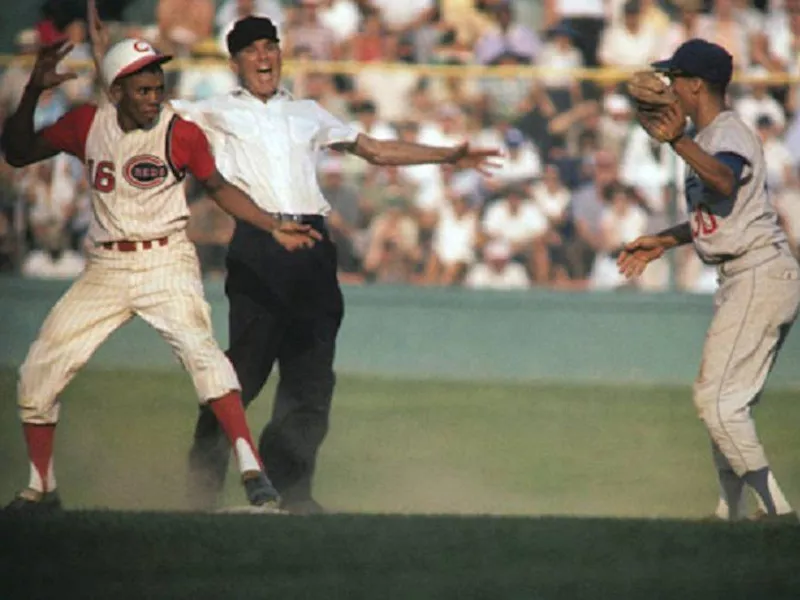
306 506
259 489
34 502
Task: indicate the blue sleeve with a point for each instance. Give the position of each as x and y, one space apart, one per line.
735 162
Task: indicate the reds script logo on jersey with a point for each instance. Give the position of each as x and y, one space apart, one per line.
145 171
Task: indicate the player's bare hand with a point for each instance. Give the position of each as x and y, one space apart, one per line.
44 74
295 236
480 159
98 32
636 255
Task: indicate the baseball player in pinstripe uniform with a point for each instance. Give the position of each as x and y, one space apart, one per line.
136 153
734 226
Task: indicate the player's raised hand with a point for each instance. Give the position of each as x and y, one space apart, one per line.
98 32
481 159
44 74
636 255
295 236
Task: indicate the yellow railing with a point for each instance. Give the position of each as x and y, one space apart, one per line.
599 75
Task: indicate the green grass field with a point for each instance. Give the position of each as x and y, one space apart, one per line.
444 490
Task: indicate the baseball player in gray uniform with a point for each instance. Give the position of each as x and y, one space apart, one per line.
734 226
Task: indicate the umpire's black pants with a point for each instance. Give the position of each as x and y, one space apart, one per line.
284 306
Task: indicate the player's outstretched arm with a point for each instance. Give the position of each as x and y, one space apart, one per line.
636 255
397 152
20 142
235 202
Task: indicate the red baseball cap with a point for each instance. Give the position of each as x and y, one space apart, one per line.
127 57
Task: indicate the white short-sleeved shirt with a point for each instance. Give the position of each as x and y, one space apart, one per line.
399 13
527 224
622 48
553 205
525 165
454 238
269 149
512 277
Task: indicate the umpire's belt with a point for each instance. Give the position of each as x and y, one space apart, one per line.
752 258
316 221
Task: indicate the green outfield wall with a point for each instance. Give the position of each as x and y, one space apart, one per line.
452 334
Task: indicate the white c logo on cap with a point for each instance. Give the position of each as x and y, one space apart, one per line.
141 46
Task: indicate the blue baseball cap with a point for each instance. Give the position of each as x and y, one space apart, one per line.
699 58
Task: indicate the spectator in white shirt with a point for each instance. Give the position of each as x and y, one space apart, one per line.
560 54
52 259
631 43
653 14
787 204
51 189
205 77
622 220
551 196
496 271
520 165
427 179
553 200
390 89
758 101
684 27
309 32
449 128
403 15
393 250
507 35
341 17
369 122
586 17
616 122
517 221
777 158
17 72
454 240
722 27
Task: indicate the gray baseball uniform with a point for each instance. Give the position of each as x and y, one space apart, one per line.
757 300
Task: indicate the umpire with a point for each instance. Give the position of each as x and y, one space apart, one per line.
284 306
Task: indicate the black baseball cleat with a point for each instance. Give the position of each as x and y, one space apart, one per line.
259 489
34 502
306 506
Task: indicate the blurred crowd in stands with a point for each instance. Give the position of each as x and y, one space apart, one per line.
578 177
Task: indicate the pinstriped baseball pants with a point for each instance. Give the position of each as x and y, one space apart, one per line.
162 285
754 310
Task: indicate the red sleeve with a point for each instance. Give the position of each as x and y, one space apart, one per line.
189 150
69 133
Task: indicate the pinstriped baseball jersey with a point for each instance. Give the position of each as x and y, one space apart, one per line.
136 195
724 228
137 176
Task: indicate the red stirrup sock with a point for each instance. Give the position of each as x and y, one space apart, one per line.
230 413
39 439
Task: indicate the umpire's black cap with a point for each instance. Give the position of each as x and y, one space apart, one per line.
248 30
699 58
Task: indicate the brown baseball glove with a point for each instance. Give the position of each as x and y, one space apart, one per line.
649 92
